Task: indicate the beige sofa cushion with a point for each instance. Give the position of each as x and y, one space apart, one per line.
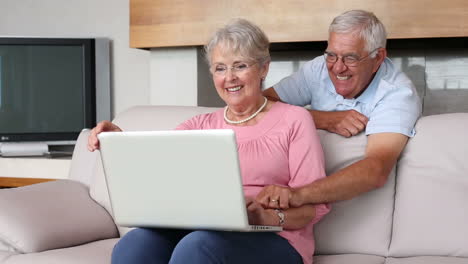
361 225
98 252
52 215
4 246
431 203
427 260
349 259
4 255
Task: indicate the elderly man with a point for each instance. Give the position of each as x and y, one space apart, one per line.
351 88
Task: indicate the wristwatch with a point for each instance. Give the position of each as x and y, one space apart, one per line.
281 216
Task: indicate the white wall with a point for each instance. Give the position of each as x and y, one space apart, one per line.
173 76
86 18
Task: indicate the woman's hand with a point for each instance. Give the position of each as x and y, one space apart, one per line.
103 126
259 215
294 218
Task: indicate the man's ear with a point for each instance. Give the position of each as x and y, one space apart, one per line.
379 58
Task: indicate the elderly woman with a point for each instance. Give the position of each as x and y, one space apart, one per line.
277 144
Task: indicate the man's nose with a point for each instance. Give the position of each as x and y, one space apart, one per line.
339 66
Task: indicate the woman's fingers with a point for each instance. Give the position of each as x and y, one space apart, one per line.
103 126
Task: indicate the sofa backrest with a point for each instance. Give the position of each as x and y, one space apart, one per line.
157 117
431 202
83 162
360 225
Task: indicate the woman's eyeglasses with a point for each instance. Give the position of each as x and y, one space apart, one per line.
237 68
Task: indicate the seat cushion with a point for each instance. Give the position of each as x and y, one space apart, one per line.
361 225
431 209
98 252
4 255
427 260
348 258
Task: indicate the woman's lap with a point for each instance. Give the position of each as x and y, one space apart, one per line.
183 246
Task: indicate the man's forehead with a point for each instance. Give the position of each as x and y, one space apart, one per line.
349 43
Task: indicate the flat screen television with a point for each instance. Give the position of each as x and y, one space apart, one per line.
47 90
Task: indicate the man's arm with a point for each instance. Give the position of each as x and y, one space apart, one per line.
345 123
382 152
271 94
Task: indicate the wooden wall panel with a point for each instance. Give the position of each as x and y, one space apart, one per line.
172 23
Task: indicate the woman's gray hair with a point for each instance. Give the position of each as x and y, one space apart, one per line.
365 23
241 37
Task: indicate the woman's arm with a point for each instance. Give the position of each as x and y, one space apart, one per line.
306 164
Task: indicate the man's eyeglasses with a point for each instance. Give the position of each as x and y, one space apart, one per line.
237 68
348 60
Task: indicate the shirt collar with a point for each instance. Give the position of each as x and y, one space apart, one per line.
369 93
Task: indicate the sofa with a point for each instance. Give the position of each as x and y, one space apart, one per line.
419 216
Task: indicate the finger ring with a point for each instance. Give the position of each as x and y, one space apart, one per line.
273 200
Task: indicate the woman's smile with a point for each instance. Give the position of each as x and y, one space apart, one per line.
234 89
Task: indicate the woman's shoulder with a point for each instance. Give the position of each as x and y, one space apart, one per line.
203 121
295 115
293 111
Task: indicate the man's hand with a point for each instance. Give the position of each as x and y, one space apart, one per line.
273 196
103 126
345 123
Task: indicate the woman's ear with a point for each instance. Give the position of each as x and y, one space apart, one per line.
264 69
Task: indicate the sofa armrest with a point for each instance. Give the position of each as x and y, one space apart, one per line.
52 215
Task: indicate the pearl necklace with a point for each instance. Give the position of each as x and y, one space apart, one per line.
246 119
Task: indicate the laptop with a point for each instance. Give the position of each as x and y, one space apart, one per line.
188 179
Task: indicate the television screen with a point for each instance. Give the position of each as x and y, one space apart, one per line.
47 88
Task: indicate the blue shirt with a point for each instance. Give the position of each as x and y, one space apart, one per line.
390 101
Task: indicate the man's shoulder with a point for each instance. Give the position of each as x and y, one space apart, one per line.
316 64
396 105
392 81
391 75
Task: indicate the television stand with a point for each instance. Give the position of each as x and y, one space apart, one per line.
17 149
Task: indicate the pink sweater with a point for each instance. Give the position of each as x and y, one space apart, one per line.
282 149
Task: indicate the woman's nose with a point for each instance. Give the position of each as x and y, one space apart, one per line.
230 75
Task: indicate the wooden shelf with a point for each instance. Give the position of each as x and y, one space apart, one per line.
175 23
18 182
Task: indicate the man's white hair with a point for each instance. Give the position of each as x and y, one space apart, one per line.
365 24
